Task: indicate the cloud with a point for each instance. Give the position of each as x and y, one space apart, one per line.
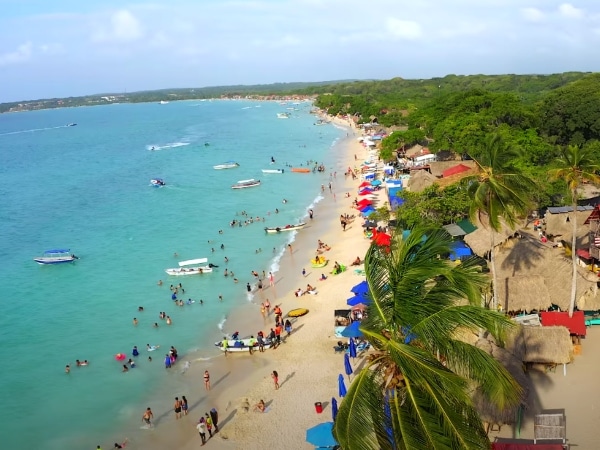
124 27
568 10
403 29
21 55
533 14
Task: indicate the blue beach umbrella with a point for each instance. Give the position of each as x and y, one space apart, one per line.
360 288
334 408
360 298
347 365
321 435
376 183
341 386
352 348
352 330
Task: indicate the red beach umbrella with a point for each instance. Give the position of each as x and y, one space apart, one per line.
365 192
382 239
365 201
364 184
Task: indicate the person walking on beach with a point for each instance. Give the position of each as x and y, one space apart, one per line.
290 248
177 408
214 415
268 306
209 424
147 417
201 427
275 377
310 214
184 405
271 279
225 345
207 380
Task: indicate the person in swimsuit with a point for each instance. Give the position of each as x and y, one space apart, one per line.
147 417
275 377
207 380
260 406
177 408
184 405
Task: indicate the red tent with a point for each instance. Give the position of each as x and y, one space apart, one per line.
459 168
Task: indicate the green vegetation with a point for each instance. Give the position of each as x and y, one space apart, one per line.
415 389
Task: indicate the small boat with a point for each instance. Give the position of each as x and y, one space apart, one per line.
157 182
318 262
283 115
71 124
227 165
58 256
163 102
191 267
242 184
286 228
242 345
300 170
321 122
272 170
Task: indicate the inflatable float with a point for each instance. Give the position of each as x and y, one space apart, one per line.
298 312
300 170
319 261
339 270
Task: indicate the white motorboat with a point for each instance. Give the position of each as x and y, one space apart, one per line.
298 226
273 170
157 182
242 184
227 165
242 345
58 256
191 267
283 115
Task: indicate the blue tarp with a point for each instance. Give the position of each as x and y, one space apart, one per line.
458 250
394 200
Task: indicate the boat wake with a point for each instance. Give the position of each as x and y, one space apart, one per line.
33 130
166 146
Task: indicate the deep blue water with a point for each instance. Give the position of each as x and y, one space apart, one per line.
86 188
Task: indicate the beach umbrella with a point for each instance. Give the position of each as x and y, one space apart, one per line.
367 212
363 208
365 193
376 183
369 224
334 408
347 365
383 239
360 288
353 330
364 202
365 189
321 435
358 299
341 386
364 184
352 348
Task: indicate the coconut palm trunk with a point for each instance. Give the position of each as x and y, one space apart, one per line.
574 255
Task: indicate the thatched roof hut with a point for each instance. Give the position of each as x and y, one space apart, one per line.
559 226
542 345
531 275
480 240
487 411
415 150
420 180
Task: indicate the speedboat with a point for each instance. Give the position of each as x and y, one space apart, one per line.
272 170
298 226
191 267
157 182
227 165
242 345
242 184
283 115
57 256
72 125
321 122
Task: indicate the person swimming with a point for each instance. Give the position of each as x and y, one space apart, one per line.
135 351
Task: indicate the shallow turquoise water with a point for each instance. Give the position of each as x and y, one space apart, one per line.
87 188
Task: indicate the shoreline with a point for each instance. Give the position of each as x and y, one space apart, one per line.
235 375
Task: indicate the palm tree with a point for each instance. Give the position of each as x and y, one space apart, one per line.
575 166
414 391
500 191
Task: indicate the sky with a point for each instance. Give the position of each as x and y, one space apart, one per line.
61 48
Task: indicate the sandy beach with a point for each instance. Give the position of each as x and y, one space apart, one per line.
306 362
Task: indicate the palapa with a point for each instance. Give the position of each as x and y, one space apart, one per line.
531 275
560 226
480 240
421 180
487 410
542 345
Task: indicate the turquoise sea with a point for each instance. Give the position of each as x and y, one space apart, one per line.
86 188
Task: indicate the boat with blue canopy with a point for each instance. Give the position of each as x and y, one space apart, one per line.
56 256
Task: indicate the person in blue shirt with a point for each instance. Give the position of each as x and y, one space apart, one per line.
135 352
